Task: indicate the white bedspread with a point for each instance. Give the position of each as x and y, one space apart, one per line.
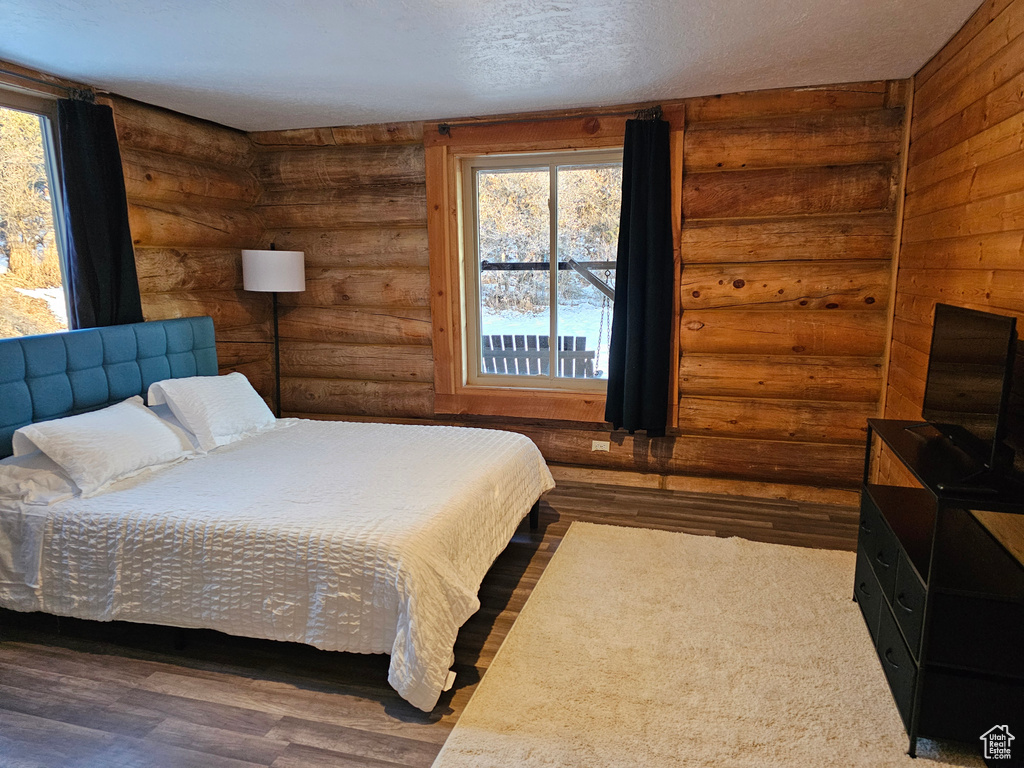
370 538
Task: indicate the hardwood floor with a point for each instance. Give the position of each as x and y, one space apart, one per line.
86 694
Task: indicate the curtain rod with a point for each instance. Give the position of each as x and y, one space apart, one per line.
650 113
79 94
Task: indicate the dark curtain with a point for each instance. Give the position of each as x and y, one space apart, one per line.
640 357
102 286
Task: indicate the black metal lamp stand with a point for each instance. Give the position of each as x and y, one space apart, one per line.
277 361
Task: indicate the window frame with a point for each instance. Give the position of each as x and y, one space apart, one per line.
443 144
468 165
46 107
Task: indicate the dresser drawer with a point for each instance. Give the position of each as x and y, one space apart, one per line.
908 603
881 545
897 663
867 592
870 521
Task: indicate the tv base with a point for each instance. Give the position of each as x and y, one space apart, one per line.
973 485
912 428
967 490
999 467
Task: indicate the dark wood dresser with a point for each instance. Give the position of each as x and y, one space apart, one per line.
942 598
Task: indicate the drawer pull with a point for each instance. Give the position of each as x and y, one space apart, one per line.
901 604
864 588
881 560
864 525
888 658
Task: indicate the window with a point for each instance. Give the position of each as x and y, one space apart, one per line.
32 296
468 302
518 210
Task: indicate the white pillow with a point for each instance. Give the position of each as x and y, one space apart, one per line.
217 409
34 478
166 414
101 447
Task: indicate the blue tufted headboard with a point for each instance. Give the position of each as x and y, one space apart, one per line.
61 374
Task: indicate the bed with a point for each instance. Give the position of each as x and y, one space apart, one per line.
361 537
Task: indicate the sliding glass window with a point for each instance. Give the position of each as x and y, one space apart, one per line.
518 211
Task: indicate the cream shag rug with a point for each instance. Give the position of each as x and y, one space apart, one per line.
647 648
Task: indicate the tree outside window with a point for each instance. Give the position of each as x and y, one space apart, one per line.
31 282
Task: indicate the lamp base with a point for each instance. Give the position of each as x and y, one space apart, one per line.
277 361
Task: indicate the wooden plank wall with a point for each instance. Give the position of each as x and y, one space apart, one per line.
963 231
190 207
357 341
789 209
790 213
789 202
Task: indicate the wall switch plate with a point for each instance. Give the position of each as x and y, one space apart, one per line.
600 445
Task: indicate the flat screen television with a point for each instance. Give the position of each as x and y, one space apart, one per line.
970 395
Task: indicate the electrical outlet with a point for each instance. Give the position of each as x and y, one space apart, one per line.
600 445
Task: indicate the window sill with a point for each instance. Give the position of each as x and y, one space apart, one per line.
519 402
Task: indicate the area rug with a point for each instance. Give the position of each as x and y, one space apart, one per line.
649 648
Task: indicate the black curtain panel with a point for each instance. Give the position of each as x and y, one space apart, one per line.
640 355
102 285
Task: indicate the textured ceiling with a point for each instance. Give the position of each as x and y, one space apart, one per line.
273 64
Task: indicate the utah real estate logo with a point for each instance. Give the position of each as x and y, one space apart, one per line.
997 742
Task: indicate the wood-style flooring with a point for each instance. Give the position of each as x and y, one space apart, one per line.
92 695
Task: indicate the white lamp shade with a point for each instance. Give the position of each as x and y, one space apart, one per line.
274 271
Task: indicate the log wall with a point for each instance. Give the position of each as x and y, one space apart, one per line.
191 197
963 231
789 202
357 341
790 213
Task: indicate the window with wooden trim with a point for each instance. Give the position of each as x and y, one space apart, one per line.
462 384
32 298
540 233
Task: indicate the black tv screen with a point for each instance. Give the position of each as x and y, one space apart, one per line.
969 395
